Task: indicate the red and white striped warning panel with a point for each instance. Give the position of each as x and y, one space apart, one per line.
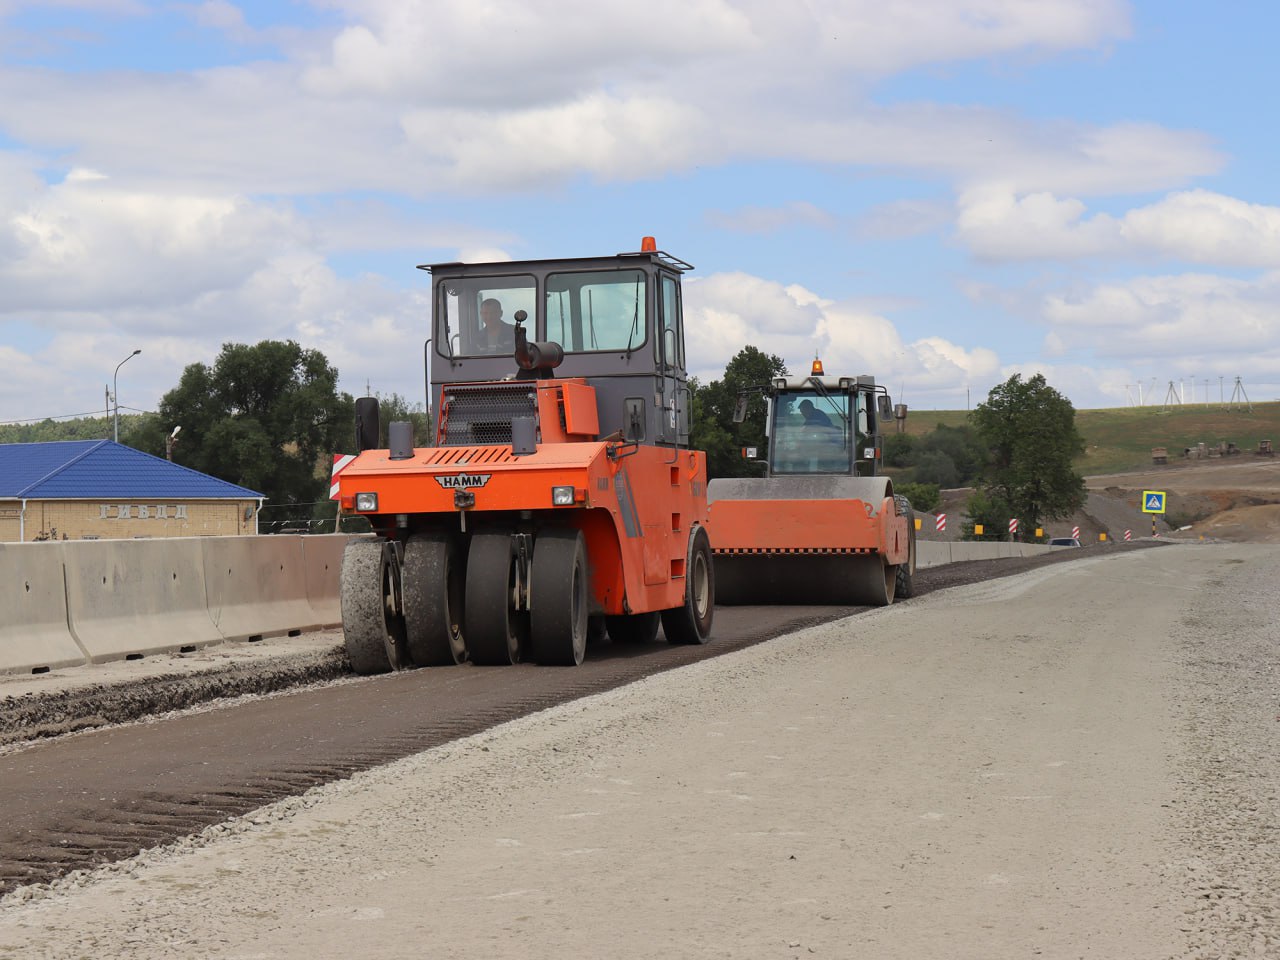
941 523
1013 525
1075 532
340 462
1128 534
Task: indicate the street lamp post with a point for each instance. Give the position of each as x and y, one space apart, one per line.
116 390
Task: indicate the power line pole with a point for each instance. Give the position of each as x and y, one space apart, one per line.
1238 392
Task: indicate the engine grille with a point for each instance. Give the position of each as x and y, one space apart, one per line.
481 414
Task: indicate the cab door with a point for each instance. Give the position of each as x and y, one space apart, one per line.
671 396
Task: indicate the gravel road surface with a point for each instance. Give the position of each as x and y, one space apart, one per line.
1079 761
259 732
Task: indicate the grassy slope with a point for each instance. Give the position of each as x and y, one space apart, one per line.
1121 438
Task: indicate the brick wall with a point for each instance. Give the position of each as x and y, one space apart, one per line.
125 519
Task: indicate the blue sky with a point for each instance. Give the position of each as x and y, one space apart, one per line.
940 193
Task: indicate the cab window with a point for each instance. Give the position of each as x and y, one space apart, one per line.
811 433
477 317
672 334
597 310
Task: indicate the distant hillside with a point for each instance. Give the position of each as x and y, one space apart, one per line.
1116 439
1121 438
84 428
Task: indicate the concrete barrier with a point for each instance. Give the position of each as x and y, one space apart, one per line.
257 586
135 597
932 553
33 610
322 557
961 550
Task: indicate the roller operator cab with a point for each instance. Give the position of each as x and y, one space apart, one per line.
560 498
825 426
822 525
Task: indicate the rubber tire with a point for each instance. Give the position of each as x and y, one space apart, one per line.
906 588
434 591
394 640
491 626
558 594
633 627
690 623
364 628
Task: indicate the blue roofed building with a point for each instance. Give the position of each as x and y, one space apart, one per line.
97 489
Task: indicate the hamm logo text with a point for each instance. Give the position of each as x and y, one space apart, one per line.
462 480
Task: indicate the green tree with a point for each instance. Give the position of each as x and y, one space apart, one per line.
1030 430
711 425
992 512
391 407
899 450
267 417
924 497
44 431
934 466
962 447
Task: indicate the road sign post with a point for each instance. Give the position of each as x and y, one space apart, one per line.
1154 502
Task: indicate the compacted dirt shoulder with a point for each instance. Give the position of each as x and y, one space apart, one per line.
80 698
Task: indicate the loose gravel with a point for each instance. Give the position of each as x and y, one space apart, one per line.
1229 774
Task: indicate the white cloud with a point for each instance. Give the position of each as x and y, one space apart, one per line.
977 145
1198 226
599 134
87 244
1206 227
430 96
763 220
996 224
891 37
223 16
367 328
468 54
482 52
905 218
1179 324
727 311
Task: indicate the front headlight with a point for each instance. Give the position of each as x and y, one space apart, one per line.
562 496
367 502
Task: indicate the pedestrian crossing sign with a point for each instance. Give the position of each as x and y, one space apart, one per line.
1153 501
